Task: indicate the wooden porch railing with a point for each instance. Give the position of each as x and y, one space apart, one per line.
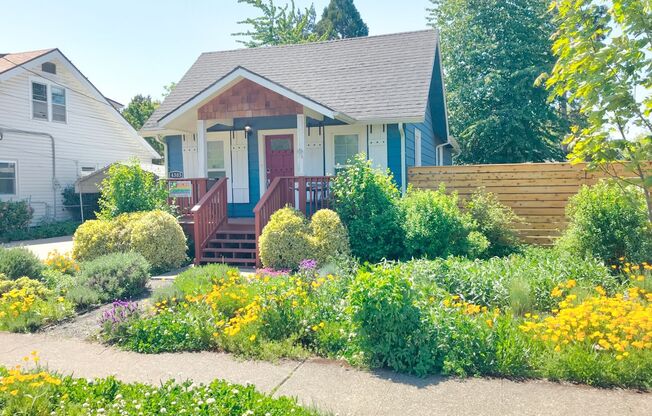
308 194
208 215
199 188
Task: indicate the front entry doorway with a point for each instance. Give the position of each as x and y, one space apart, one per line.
279 156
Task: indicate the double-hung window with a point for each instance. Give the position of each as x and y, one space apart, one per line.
346 147
39 101
48 102
8 178
58 103
216 159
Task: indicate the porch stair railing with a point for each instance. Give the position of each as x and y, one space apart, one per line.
208 215
307 194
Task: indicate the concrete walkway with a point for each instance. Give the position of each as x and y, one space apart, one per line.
44 246
330 386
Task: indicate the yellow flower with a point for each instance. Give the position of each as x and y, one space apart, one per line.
252 338
13 392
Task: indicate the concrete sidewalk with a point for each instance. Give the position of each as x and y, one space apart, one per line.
45 245
330 386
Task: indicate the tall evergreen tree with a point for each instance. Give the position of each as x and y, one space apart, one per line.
340 20
493 52
279 25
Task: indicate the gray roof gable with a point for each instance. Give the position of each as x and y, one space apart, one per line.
368 78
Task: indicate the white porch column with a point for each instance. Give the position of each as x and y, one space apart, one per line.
301 144
202 153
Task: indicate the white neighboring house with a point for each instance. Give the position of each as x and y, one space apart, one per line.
56 127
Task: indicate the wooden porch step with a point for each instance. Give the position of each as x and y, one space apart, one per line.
232 241
234 260
230 250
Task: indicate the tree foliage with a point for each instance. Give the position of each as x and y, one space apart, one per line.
139 109
493 51
340 20
279 25
604 63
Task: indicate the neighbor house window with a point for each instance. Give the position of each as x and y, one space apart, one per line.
346 147
39 101
216 163
7 178
58 104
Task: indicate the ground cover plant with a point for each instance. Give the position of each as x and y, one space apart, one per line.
32 390
447 316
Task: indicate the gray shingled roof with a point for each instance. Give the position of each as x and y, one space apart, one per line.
369 78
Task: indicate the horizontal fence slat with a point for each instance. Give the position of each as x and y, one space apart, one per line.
536 192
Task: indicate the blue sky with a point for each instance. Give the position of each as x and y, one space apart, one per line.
137 46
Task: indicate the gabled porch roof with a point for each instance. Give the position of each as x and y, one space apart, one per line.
188 109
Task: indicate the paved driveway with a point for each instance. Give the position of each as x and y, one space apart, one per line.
42 247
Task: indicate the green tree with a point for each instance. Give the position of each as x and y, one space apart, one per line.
604 63
340 20
129 188
279 25
493 52
139 109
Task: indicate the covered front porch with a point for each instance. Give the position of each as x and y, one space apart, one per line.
245 148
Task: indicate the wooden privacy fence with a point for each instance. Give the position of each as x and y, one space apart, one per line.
537 192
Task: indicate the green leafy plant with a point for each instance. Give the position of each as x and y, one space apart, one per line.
388 322
43 230
608 221
129 188
155 234
367 203
329 237
117 275
14 216
495 221
434 225
285 240
19 262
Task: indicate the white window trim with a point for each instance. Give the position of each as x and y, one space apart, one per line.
48 84
335 166
227 157
16 193
417 147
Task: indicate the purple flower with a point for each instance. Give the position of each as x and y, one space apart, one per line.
308 265
119 312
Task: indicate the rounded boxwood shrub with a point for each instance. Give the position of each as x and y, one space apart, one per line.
20 262
329 237
116 275
608 221
158 236
366 201
154 234
435 226
93 239
285 240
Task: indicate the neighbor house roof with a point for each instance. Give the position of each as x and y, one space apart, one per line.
368 78
11 60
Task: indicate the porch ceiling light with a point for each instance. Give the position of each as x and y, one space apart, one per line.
247 129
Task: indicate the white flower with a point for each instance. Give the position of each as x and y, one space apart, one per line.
210 400
163 410
235 391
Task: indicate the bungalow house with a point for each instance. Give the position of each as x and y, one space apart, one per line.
271 125
56 127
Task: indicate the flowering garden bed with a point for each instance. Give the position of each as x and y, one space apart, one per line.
31 390
542 314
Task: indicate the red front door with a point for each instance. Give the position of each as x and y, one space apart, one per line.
279 156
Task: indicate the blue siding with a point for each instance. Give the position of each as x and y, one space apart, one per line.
394 152
175 153
433 129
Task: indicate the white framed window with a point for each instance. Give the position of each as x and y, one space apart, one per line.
216 159
417 147
86 170
40 101
49 101
8 178
58 95
345 147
